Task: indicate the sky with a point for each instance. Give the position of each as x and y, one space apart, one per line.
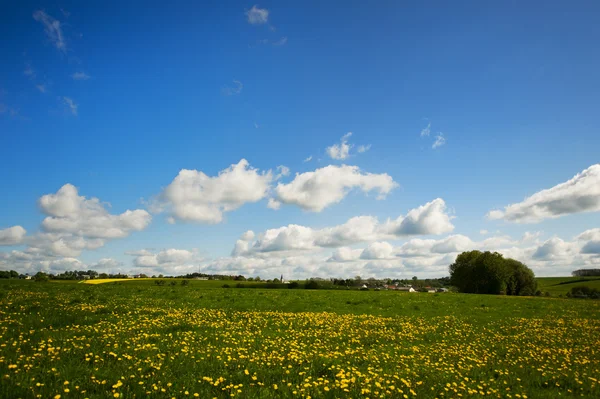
322 139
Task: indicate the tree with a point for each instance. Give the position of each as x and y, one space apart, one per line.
490 273
41 276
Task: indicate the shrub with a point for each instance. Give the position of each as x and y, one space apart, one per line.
185 282
311 285
293 285
584 292
226 286
41 277
159 282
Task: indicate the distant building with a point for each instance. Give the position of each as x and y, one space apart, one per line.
395 287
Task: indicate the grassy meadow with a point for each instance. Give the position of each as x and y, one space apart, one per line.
135 339
561 285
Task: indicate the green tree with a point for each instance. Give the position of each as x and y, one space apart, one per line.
41 276
490 273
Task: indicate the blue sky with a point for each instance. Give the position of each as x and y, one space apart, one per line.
116 99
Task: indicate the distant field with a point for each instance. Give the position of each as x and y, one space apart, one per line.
127 339
561 285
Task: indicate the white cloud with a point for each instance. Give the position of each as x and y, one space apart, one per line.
80 76
233 90
41 88
345 254
426 130
70 213
314 191
257 16
107 265
70 104
52 28
170 261
577 195
165 258
377 250
440 140
62 244
453 243
283 171
75 223
363 148
195 197
308 159
273 204
12 236
483 232
427 219
554 248
342 150
431 218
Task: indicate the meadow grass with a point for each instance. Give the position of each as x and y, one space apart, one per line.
135 339
561 285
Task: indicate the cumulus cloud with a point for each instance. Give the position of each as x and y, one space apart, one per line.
553 248
75 223
577 195
195 197
453 243
12 236
70 213
62 244
430 218
314 191
345 254
52 28
257 16
165 258
377 250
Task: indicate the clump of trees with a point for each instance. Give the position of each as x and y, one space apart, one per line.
8 274
487 272
584 292
586 272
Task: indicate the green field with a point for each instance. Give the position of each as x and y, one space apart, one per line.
135 339
561 285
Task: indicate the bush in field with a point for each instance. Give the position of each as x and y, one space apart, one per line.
41 276
584 292
159 282
490 273
185 282
311 285
293 285
226 286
